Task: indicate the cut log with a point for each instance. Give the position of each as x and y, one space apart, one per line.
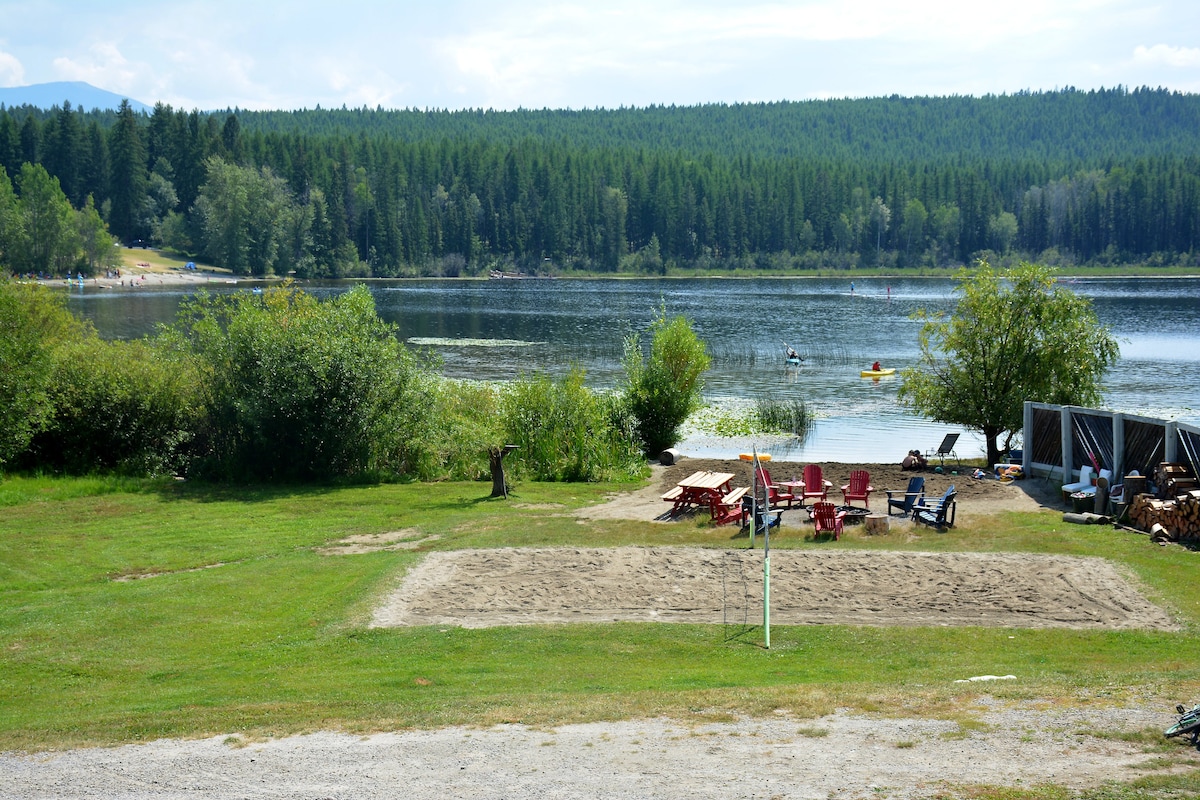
876 524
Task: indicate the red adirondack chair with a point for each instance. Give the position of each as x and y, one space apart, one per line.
826 519
815 484
776 495
859 488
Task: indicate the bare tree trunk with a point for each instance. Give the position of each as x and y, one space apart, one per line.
496 464
991 434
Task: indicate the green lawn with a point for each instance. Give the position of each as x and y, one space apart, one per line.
237 624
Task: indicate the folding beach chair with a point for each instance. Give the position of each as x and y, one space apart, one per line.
946 448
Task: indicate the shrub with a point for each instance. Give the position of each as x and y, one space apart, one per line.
564 432
468 422
664 388
34 323
302 390
120 406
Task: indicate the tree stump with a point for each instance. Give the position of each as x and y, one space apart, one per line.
876 524
496 464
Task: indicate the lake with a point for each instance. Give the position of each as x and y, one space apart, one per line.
497 330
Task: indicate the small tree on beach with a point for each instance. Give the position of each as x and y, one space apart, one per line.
1014 336
664 388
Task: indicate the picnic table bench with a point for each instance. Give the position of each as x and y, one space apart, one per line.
729 508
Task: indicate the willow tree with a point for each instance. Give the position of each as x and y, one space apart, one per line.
1014 335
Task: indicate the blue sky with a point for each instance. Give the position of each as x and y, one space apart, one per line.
261 54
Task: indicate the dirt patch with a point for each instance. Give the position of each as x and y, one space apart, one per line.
513 586
407 539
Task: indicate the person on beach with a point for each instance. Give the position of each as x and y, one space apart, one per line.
914 461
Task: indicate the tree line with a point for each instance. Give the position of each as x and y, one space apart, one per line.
1103 177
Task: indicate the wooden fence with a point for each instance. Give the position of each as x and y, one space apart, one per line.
1061 439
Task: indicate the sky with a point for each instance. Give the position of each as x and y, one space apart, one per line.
507 54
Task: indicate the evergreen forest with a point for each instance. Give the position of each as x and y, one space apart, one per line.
1067 177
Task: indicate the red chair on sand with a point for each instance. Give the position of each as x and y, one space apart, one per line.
859 488
815 484
776 496
826 519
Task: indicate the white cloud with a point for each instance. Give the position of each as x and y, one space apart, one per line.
1166 54
106 66
578 53
534 54
11 71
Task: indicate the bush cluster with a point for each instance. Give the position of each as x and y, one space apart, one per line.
283 387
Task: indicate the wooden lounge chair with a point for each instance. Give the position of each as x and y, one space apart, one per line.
904 503
859 488
940 515
826 519
946 448
815 484
776 495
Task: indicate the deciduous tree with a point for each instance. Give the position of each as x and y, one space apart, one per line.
664 388
1015 335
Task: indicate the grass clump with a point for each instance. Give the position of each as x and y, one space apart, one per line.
784 416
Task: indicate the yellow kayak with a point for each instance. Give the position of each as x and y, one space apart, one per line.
878 373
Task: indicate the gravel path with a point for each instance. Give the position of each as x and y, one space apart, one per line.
840 756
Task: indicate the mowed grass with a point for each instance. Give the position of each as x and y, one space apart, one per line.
133 610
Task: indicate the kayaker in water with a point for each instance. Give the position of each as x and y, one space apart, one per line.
875 367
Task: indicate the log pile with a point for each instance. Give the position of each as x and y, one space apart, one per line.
1173 480
1173 513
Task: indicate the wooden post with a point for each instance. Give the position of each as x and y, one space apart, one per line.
496 463
1067 437
1027 439
1118 431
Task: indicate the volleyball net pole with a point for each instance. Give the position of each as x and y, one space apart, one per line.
766 518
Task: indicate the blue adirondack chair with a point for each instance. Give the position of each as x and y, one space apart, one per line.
940 515
904 503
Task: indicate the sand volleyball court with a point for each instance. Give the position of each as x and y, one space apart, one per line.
516 586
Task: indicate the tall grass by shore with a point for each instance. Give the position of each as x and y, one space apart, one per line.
791 415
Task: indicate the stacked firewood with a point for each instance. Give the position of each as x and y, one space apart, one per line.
1175 513
1173 480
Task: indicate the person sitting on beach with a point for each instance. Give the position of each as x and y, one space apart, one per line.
914 461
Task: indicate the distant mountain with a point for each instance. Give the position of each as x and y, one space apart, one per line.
82 95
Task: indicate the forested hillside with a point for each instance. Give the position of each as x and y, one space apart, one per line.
1102 177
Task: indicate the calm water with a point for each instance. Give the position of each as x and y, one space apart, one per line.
499 329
